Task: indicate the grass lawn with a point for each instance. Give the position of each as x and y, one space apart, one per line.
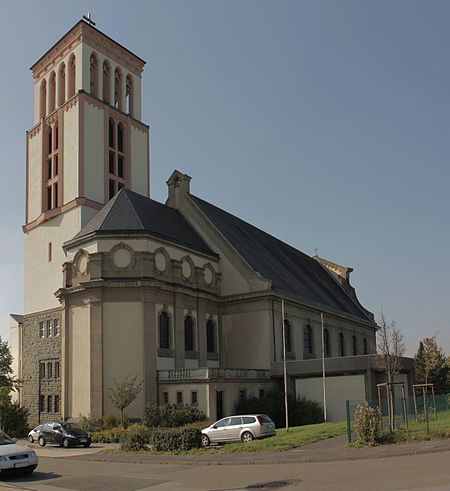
296 437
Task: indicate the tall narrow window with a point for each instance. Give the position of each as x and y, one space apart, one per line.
49 369
164 330
354 346
61 84
308 341
72 75
129 95
52 169
56 327
117 161
326 342
57 369
57 404
118 89
93 75
41 329
287 336
366 351
49 328
106 82
210 336
52 93
43 99
188 334
49 251
341 344
49 404
41 403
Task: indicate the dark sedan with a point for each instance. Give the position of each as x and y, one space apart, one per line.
64 434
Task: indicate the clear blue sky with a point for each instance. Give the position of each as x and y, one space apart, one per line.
325 123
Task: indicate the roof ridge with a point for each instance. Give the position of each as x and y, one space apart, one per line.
126 192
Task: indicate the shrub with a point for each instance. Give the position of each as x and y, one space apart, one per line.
135 438
175 439
90 423
301 411
111 435
170 415
368 423
110 421
14 420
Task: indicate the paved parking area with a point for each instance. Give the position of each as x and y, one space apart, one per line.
55 451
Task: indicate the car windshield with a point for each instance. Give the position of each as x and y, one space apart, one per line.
71 427
5 439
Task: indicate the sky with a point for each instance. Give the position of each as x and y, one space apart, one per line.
325 123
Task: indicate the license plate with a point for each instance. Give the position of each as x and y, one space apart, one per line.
21 464
83 440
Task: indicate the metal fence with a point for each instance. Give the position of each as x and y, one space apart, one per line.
422 413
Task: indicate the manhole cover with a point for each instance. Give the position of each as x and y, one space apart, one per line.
270 485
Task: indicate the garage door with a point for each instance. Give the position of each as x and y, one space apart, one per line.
338 390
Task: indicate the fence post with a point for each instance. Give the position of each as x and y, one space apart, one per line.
349 428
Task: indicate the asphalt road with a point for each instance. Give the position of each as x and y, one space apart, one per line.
419 472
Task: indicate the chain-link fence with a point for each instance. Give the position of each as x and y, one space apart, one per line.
424 413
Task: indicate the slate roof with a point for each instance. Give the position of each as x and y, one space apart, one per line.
291 271
128 212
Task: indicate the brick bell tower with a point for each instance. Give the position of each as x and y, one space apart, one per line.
87 142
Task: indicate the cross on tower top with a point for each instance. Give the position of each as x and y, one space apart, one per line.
88 19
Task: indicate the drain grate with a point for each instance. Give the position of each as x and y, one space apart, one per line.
270 485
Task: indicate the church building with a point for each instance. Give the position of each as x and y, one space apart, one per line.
182 295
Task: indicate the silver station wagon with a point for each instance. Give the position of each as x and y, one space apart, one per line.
242 428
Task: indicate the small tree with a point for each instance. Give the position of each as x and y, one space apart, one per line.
124 393
6 374
391 349
431 365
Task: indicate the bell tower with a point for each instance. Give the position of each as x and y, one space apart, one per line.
87 142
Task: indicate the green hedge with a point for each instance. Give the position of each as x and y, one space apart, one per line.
174 439
135 438
301 411
112 435
171 415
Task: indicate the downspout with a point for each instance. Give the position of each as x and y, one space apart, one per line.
273 330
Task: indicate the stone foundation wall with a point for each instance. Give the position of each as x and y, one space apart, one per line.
41 374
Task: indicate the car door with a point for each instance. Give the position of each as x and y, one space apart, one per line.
234 428
218 430
46 432
57 435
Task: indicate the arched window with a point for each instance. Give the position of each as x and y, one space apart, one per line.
308 340
354 346
52 168
118 89
52 92
61 84
366 351
341 344
287 336
93 75
211 336
117 170
188 333
326 342
106 82
72 75
164 330
43 99
129 95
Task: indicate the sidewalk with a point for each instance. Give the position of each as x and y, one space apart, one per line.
333 449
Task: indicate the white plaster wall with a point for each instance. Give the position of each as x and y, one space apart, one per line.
139 171
122 350
71 157
79 363
43 278
35 176
247 337
338 391
94 153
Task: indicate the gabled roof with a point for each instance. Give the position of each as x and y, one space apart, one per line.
131 213
291 271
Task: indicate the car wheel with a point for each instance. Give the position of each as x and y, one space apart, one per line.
29 470
86 445
66 443
205 440
30 439
246 437
42 441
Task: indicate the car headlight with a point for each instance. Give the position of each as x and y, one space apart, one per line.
71 436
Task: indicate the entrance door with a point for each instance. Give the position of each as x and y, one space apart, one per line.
219 404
